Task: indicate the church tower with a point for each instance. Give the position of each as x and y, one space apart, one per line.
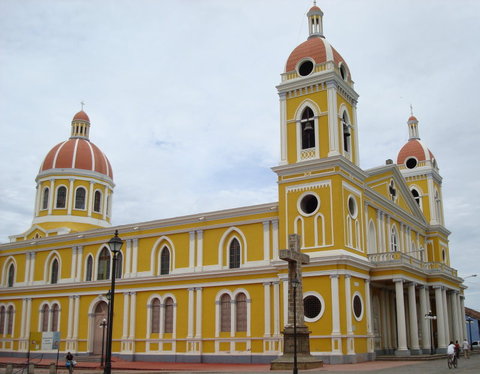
74 186
420 169
319 145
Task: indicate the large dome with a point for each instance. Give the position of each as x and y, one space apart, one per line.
77 153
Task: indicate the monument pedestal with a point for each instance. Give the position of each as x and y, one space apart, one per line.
304 359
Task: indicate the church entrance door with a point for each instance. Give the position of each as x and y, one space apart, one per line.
101 312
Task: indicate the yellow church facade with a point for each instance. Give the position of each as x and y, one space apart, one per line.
210 287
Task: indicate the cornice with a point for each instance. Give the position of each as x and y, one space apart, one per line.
67 173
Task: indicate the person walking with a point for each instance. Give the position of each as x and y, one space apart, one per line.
457 349
466 348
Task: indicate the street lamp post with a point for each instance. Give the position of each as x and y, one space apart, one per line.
103 325
295 284
430 316
469 320
115 244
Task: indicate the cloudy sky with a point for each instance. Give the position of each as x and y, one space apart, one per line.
182 99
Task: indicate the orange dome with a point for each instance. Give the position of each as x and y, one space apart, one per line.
412 118
77 153
82 116
414 148
318 49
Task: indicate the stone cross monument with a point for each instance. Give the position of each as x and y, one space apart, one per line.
305 360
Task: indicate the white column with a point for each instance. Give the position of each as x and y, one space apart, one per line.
425 323
37 200
384 320
275 239
28 256
335 302
462 312
71 300
276 308
126 302
412 315
389 232
191 306
198 330
73 265
105 202
446 315
51 197
283 128
90 200
333 132
456 335
78 277
128 258
133 315
266 241
355 136
267 308
134 257
76 319
441 338
191 250
200 250
348 313
368 309
401 327
285 301
461 316
70 201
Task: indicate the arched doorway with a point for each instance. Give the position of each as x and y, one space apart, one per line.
100 314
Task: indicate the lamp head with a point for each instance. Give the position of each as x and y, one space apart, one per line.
295 282
115 243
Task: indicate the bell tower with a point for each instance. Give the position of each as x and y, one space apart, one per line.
317 101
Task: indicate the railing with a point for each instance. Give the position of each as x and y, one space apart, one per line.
399 258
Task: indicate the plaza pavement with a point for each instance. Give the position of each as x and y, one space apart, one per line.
438 366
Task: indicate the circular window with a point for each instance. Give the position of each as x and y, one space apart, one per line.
305 68
357 307
352 206
309 204
411 163
313 307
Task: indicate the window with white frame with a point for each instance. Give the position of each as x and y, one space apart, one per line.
54 272
10 318
346 131
44 314
11 275
61 202
3 313
234 254
46 193
307 124
155 316
241 312
225 313
168 323
89 269
97 202
394 239
80 197
164 261
104 265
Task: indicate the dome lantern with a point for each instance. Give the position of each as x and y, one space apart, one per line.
315 22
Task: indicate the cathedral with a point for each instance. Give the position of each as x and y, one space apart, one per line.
211 287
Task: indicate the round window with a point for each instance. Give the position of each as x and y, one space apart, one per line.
305 68
352 206
411 163
312 306
309 204
357 307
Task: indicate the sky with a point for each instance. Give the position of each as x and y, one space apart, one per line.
181 97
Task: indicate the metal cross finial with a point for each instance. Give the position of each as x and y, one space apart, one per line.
314 2
411 109
82 104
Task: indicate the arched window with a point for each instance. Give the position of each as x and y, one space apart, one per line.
308 128
10 316
119 266
44 317
372 238
97 202
165 261
241 312
55 315
54 272
80 198
2 319
394 240
11 275
346 132
225 308
416 196
234 254
89 273
168 315
46 192
109 205
155 316
104 265
61 197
